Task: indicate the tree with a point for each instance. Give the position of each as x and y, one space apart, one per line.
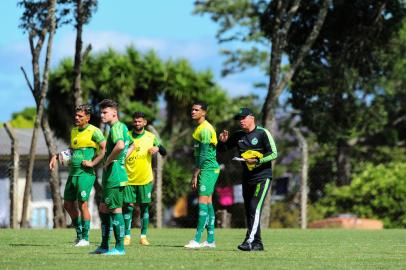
39 20
267 24
336 90
24 118
83 11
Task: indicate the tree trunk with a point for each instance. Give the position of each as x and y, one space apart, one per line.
343 163
14 169
30 169
39 92
158 182
303 177
278 83
54 181
77 90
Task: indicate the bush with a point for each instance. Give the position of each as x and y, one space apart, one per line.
377 192
176 182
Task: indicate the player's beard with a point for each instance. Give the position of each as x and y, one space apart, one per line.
138 129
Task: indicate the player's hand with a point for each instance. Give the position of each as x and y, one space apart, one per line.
223 137
87 163
153 150
194 183
52 163
252 161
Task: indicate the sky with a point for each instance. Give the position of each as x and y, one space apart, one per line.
168 27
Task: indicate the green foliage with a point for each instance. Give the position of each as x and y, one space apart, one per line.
24 119
176 182
376 192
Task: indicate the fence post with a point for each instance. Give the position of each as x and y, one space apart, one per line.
13 175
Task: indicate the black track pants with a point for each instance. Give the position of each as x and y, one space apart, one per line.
254 197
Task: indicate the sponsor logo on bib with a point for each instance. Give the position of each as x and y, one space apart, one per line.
83 193
202 188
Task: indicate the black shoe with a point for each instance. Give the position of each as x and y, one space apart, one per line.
257 246
245 246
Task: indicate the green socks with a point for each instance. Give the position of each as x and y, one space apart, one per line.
211 223
203 209
77 223
105 229
118 228
144 218
128 216
85 229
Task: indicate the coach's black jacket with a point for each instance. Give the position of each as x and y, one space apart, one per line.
259 140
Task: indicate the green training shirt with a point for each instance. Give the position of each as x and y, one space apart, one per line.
205 141
115 174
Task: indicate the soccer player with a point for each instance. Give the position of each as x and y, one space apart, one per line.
205 174
256 145
139 169
114 179
88 146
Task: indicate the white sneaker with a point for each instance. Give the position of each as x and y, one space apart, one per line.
208 245
82 243
192 244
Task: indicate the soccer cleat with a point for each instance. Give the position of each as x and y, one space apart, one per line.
192 244
99 250
76 241
144 241
257 246
114 252
208 245
82 243
245 246
127 240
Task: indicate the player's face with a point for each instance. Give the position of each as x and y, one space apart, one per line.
139 123
197 112
108 115
247 122
81 119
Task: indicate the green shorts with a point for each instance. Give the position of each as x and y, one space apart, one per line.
113 197
207 180
138 194
79 187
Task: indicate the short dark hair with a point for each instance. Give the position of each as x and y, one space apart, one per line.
201 104
86 108
138 115
108 103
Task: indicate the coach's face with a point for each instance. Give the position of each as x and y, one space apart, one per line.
108 115
197 112
247 123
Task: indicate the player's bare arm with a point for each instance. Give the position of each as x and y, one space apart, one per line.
98 158
114 153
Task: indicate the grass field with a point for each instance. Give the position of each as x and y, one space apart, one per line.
285 249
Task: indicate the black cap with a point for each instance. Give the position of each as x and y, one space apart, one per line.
243 113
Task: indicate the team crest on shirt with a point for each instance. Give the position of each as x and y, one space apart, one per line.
83 193
254 141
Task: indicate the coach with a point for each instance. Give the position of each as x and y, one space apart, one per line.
257 150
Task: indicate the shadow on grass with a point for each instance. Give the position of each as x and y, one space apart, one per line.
29 245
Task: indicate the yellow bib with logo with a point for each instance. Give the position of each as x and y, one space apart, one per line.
83 138
139 163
